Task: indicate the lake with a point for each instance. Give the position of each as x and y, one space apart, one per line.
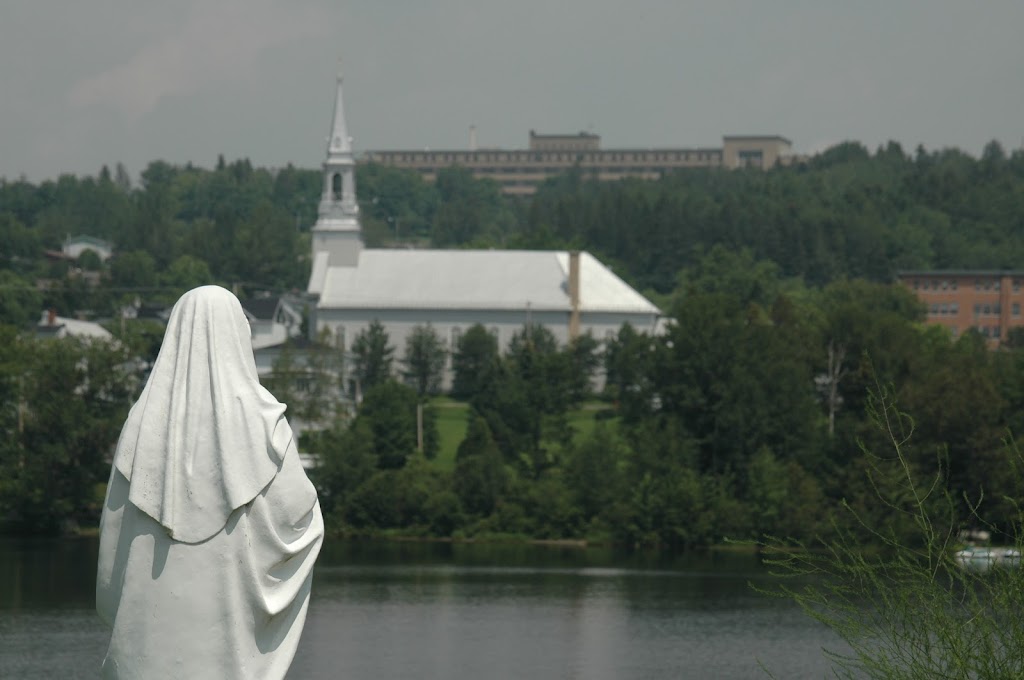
437 610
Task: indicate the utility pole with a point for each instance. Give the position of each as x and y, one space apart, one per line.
419 426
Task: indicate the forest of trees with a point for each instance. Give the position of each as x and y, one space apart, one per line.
750 415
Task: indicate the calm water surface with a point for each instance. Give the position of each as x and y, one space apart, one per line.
402 611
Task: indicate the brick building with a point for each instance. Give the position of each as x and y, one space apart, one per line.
987 300
521 171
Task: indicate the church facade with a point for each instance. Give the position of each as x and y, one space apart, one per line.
569 293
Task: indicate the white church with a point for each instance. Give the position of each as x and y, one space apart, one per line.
570 293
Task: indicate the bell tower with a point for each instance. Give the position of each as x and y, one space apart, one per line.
337 231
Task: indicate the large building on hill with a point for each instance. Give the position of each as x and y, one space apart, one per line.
566 292
988 301
519 172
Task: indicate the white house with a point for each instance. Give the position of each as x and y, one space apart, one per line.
53 326
273 321
569 293
74 247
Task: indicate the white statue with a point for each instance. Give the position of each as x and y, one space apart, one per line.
210 527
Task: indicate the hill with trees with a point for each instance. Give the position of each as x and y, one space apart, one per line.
750 415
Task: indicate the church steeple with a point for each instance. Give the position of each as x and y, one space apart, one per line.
339 194
340 141
337 229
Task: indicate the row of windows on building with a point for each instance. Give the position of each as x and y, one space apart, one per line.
986 331
996 309
543 171
953 308
993 285
944 308
454 335
951 284
540 157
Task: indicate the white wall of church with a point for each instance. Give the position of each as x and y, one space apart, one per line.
450 324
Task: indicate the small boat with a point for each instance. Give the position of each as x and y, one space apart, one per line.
974 558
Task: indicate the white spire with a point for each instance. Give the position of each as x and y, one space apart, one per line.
337 229
339 142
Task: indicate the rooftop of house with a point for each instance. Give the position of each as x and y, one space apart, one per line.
53 326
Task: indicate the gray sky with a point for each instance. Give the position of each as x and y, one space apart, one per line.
88 83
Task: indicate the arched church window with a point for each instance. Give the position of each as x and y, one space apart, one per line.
336 186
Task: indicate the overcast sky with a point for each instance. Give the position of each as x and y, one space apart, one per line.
84 84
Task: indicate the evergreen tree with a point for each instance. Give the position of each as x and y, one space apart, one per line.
425 356
372 356
476 353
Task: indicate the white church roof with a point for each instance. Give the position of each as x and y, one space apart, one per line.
472 279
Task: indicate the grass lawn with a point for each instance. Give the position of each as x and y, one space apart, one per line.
582 420
452 423
451 427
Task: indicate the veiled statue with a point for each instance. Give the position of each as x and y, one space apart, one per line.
210 526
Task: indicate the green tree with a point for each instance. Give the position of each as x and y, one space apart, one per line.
71 398
502 401
893 591
476 353
21 244
371 356
729 376
398 202
479 479
866 334
184 274
134 269
470 210
584 360
549 382
627 373
20 303
413 498
737 274
90 261
390 409
425 357
347 459
594 471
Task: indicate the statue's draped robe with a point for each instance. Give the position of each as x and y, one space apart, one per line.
210 527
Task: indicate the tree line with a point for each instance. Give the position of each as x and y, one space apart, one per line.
749 415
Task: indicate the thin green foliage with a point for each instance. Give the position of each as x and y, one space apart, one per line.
899 600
